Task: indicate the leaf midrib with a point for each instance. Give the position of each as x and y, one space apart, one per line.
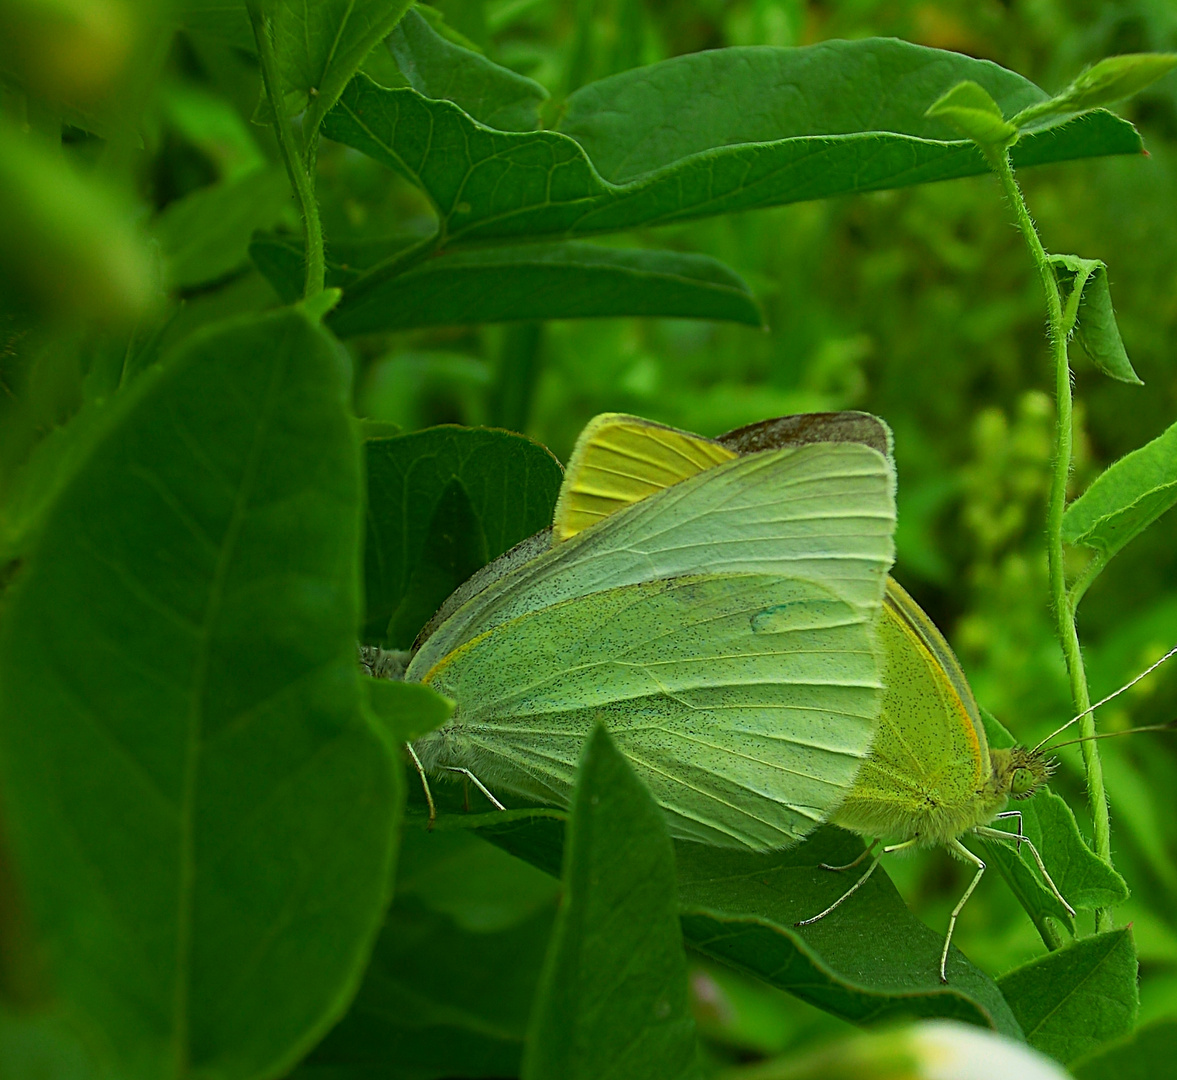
187 875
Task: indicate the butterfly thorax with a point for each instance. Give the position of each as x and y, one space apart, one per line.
934 809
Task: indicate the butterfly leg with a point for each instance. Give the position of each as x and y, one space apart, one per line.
1020 835
850 865
968 856
845 896
424 784
998 834
477 783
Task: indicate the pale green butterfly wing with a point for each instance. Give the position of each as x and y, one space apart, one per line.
745 702
822 513
930 760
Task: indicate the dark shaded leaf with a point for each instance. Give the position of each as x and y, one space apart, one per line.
1074 1000
701 135
546 281
1146 1054
453 975
612 1000
200 816
442 503
437 1001
206 234
1126 498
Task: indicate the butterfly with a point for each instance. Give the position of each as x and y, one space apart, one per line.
713 603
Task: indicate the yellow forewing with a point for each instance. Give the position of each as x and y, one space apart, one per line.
620 460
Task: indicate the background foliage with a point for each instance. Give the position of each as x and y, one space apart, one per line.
918 304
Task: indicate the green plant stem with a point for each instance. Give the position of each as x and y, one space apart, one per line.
1063 609
299 159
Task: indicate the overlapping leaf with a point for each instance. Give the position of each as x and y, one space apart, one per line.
703 134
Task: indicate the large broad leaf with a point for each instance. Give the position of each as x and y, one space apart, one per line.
442 503
201 817
869 960
703 134
612 1001
1074 1000
1144 1055
538 281
1126 498
492 95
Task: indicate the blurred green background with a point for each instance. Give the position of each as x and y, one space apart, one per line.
919 305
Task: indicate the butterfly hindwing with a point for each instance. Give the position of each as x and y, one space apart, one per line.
745 702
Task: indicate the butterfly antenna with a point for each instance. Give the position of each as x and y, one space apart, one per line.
1170 726
1103 701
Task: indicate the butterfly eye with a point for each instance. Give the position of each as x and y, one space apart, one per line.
1021 783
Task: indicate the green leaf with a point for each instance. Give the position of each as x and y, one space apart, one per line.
403 710
1084 879
44 1045
1074 1000
200 816
703 134
612 1001
437 68
441 504
206 234
1144 1055
973 112
545 281
1096 321
1125 498
1103 84
870 960
453 975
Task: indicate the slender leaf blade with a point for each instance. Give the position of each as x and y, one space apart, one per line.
1126 498
201 818
1074 1000
612 1000
546 281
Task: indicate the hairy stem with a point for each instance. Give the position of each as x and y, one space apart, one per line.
299 159
1063 609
